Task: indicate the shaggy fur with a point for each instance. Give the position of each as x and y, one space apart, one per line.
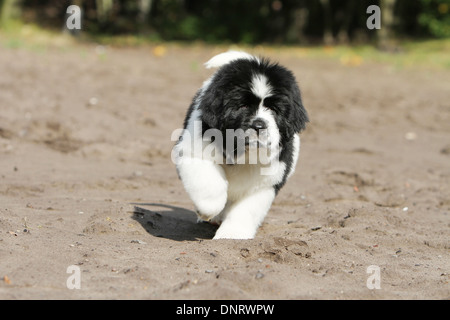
240 142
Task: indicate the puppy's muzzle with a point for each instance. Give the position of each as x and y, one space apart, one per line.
258 124
259 135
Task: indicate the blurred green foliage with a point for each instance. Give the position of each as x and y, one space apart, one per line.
436 17
240 21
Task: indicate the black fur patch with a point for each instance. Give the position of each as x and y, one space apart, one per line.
229 103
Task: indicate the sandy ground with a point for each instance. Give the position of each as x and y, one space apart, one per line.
85 136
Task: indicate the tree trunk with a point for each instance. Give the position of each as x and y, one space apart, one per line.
104 8
386 33
8 10
296 31
348 14
327 22
145 7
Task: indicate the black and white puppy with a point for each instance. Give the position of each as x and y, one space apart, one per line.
240 142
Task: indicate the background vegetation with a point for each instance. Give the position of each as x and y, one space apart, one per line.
242 21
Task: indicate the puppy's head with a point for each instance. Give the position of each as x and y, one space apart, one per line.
257 100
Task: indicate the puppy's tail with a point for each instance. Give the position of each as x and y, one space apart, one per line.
227 57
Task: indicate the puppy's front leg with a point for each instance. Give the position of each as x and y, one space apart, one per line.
206 184
242 219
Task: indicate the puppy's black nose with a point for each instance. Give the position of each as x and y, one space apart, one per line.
259 124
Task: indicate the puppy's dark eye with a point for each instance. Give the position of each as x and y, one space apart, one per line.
269 108
272 104
244 106
268 103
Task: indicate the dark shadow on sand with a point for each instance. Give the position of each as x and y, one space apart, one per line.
171 222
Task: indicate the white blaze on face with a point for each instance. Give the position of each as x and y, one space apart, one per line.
271 133
260 86
268 138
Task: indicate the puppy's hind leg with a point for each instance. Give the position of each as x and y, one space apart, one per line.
206 184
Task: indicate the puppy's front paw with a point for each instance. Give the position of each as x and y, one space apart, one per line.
228 231
211 207
206 184
203 217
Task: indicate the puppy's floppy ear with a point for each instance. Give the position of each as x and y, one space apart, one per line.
211 106
298 115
